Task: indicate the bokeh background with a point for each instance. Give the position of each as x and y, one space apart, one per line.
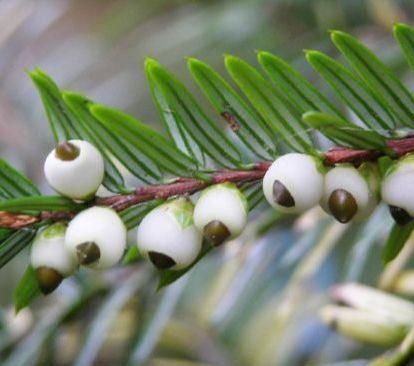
253 302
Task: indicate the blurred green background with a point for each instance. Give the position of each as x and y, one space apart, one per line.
253 302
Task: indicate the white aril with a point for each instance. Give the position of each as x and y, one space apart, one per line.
351 193
293 183
167 235
221 213
396 189
75 169
97 237
50 259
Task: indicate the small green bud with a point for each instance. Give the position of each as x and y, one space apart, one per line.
374 301
363 326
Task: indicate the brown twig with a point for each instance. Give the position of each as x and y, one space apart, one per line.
182 186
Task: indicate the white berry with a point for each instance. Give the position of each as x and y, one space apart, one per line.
396 189
293 183
167 235
75 169
97 236
350 193
221 212
50 258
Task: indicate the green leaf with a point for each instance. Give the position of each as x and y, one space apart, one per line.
132 216
404 35
60 122
251 130
132 255
14 184
172 122
396 240
300 91
26 290
14 244
276 110
190 117
39 203
370 109
148 141
166 277
377 76
67 125
254 195
338 129
126 153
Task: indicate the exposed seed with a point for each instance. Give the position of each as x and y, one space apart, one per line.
48 279
216 232
88 253
400 216
66 151
281 195
160 260
342 205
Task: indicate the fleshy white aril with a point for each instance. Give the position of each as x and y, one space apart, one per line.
221 213
75 169
97 237
351 193
293 183
396 189
167 235
50 259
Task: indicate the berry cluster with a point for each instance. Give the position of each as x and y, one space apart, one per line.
170 236
296 182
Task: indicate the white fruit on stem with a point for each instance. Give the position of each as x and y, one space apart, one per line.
351 193
221 212
75 169
167 235
396 189
50 259
97 236
294 183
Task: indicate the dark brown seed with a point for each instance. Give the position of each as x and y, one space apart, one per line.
160 260
48 279
281 195
88 253
400 216
66 151
216 232
342 205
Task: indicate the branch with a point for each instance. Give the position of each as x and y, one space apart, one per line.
183 186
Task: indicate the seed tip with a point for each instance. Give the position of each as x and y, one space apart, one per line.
160 260
48 279
216 232
88 253
281 195
66 151
342 205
